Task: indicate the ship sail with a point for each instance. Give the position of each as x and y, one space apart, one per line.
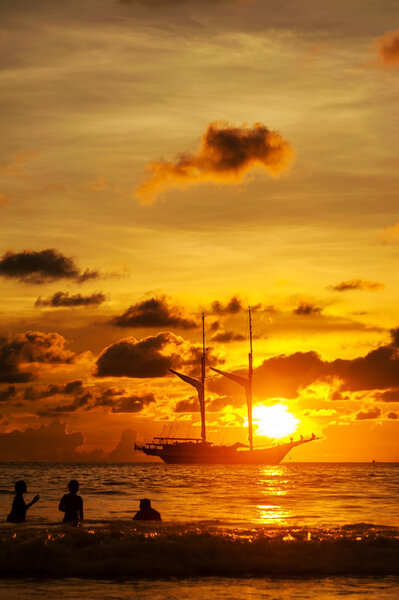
199 384
245 382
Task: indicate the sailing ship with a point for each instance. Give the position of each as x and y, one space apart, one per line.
180 450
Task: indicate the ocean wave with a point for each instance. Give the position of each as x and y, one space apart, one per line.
147 550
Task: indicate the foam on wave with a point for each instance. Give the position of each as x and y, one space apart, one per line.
125 550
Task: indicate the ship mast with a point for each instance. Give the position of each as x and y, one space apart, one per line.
201 396
250 375
199 384
245 382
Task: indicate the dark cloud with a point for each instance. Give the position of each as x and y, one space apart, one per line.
285 375
79 401
132 404
48 442
395 337
71 387
148 357
108 397
188 406
388 49
60 299
8 393
19 350
371 413
213 404
392 415
227 336
215 326
38 267
218 403
357 284
121 401
269 309
227 153
155 312
379 369
388 396
232 307
152 357
37 393
306 309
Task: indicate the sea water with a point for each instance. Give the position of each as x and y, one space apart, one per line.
309 530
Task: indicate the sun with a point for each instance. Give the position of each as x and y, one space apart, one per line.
274 421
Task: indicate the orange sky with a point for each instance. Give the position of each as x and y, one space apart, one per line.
160 159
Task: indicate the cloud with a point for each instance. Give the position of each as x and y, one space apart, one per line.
305 308
48 442
213 404
14 167
54 410
226 154
120 401
379 369
61 299
38 267
19 350
8 393
232 307
392 415
187 406
389 234
155 312
371 413
388 396
133 404
227 336
387 47
124 451
150 357
37 393
357 284
286 375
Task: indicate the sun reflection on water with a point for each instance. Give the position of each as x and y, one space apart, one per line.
272 483
272 515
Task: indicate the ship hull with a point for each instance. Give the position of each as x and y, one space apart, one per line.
207 454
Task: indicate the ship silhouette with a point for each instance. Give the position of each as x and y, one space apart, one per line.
180 450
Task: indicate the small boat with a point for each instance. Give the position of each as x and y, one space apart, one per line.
175 450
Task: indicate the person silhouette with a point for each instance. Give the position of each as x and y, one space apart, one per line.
146 512
19 507
72 504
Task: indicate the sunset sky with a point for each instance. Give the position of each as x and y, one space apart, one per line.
164 158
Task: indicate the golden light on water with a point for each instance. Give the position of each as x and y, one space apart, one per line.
274 421
273 485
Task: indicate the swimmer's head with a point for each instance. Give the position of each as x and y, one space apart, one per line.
20 487
73 486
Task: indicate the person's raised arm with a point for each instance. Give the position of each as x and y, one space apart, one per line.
35 499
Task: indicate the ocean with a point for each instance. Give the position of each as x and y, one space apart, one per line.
310 530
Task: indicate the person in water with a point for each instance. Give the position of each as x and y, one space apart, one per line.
146 512
72 504
19 507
